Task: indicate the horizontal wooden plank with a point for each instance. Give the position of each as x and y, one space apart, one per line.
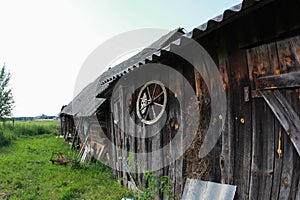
289 80
285 114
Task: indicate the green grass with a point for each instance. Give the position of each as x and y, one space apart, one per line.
27 173
10 131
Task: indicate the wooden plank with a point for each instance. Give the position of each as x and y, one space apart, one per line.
117 135
289 80
266 154
131 127
278 144
187 71
256 160
285 115
227 152
242 125
122 119
293 99
172 117
289 54
113 141
258 61
287 169
274 67
139 147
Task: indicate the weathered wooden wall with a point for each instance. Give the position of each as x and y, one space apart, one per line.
257 154
254 151
275 163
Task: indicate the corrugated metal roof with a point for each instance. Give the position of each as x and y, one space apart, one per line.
86 103
226 17
212 24
126 66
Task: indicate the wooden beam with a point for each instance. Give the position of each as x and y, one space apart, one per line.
289 80
285 114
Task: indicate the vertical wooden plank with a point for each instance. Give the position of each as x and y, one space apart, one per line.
227 155
267 154
172 119
113 138
131 127
118 138
124 135
243 127
295 41
287 168
289 54
273 59
140 161
258 61
256 158
188 72
278 145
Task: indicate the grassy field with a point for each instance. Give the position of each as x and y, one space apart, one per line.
27 173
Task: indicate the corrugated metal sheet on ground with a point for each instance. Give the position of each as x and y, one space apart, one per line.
205 190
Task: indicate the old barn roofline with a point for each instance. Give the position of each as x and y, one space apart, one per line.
113 74
228 16
85 103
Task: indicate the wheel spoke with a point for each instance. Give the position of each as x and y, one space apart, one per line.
153 93
157 96
153 112
148 91
147 113
158 104
152 96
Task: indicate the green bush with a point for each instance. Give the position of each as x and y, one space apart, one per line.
3 140
6 135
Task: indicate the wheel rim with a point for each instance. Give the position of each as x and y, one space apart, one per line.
151 102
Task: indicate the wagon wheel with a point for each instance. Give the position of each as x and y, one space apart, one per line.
151 102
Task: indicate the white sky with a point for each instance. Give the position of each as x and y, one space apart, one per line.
44 43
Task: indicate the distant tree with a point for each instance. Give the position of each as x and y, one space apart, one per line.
6 97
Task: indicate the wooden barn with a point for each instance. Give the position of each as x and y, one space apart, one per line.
256 48
80 124
84 120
